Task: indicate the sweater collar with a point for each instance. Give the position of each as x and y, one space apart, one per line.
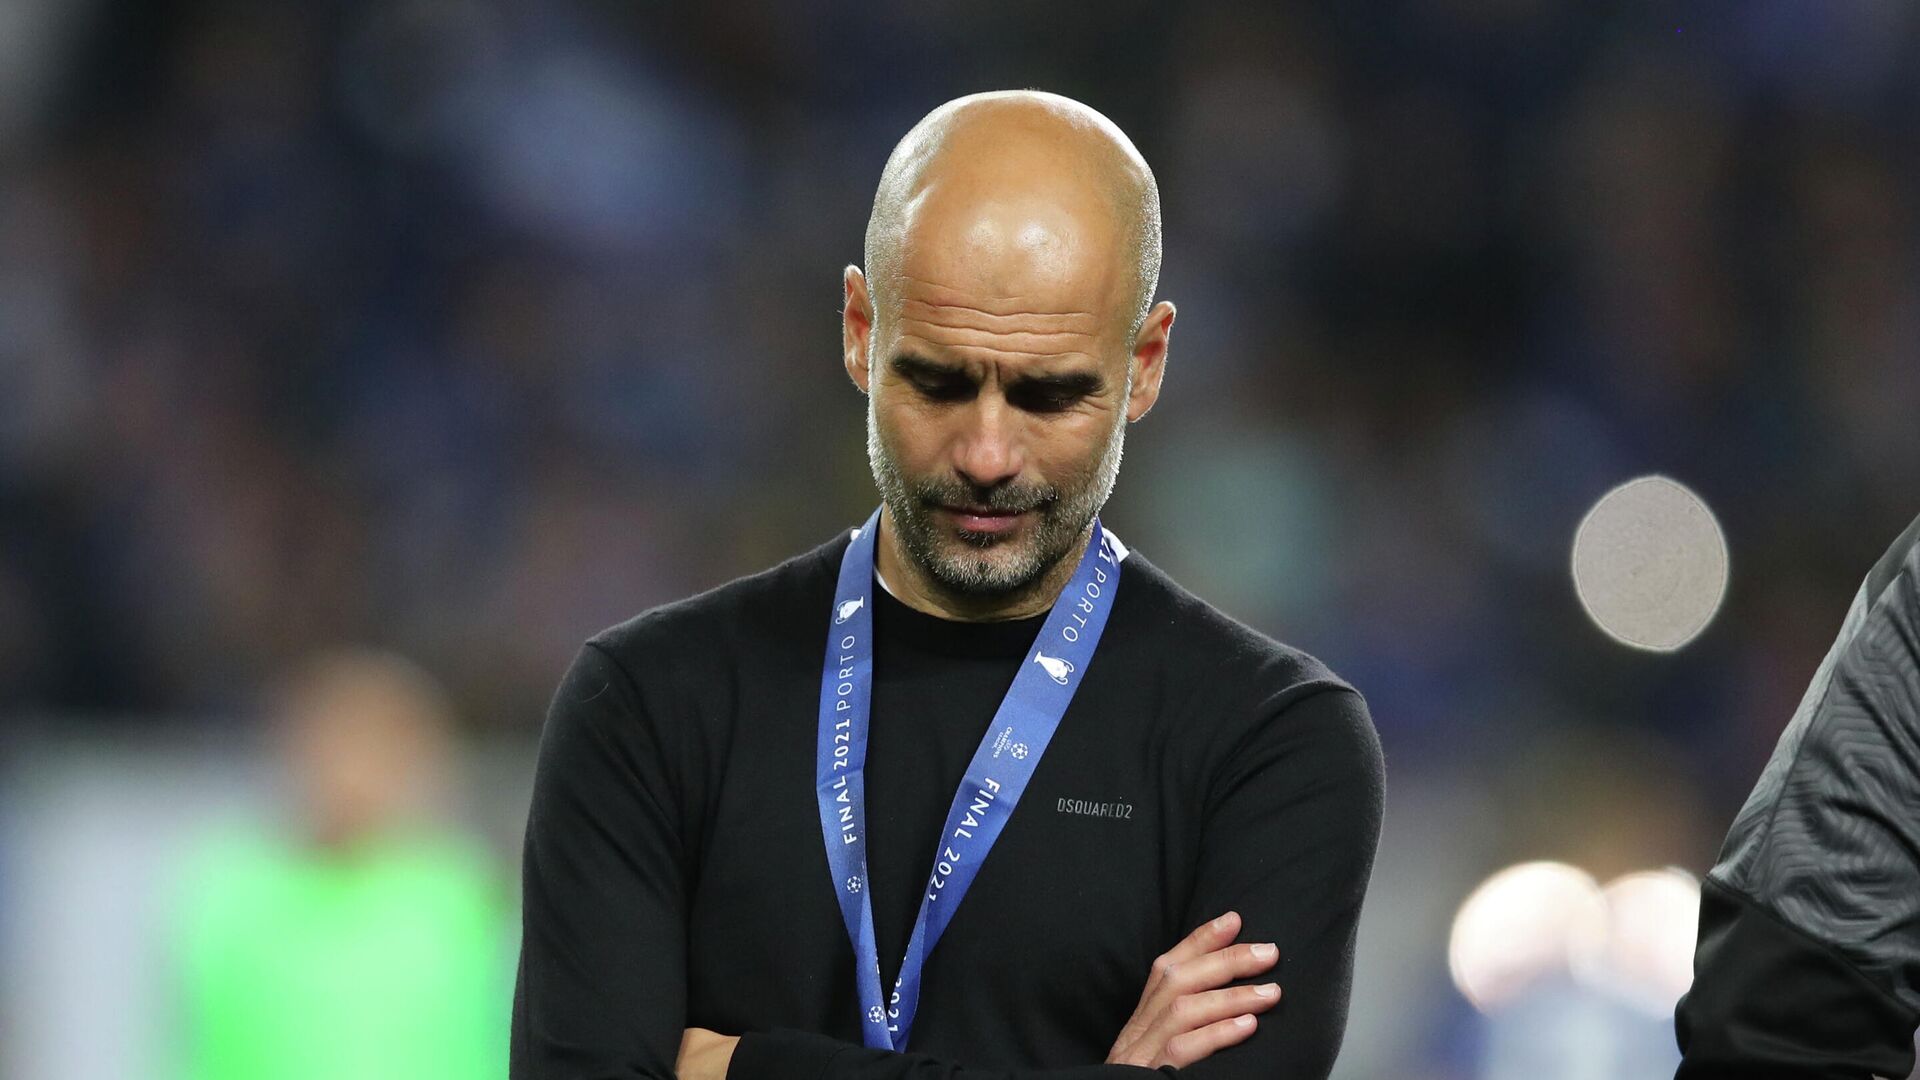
896 623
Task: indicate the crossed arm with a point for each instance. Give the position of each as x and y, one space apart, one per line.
1186 1012
601 990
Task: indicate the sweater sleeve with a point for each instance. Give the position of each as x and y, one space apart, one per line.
1808 962
601 991
1289 842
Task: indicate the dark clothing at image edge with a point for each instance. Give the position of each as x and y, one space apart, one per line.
1808 963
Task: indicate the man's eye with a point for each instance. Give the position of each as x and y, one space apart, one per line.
1045 400
945 389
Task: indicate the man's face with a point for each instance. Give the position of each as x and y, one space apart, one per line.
994 427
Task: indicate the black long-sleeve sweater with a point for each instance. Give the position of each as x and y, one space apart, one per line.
675 874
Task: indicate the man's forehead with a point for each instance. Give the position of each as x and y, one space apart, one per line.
940 323
1010 254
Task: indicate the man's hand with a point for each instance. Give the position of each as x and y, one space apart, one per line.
704 1055
1187 1011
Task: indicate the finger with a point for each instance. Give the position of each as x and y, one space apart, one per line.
1206 937
1204 971
1192 1011
1184 1049
1222 966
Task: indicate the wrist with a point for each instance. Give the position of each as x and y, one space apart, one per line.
723 1057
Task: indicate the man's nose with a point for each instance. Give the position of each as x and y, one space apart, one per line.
988 452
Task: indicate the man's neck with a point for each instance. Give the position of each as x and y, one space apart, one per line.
910 583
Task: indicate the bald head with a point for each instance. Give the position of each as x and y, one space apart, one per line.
1014 194
1004 333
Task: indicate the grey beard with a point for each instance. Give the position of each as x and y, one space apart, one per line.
1063 517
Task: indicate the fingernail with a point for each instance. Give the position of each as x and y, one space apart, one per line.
1221 922
1243 1021
1268 990
1265 951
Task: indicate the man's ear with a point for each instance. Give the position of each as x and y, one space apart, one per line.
856 328
1149 359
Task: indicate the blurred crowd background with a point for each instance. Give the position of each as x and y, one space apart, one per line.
457 330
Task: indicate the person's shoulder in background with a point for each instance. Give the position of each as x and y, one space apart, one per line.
1902 556
1807 961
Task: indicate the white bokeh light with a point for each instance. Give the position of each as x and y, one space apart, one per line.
1650 564
1653 917
1525 923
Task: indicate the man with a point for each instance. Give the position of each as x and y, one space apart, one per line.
369 940
760 827
1808 963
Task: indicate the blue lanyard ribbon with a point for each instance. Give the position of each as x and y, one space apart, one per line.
994 780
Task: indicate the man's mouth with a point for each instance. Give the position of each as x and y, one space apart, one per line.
980 519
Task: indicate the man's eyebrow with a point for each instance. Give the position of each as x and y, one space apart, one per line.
1073 383
1065 384
910 365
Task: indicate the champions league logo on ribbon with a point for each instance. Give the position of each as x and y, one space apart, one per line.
1005 743
1034 706
1057 668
